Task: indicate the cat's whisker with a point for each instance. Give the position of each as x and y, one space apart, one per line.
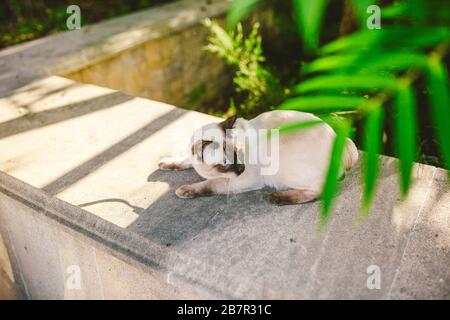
228 189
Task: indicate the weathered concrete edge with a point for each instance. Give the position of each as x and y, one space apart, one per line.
106 50
127 246
74 57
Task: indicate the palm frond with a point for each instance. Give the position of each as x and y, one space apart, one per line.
364 71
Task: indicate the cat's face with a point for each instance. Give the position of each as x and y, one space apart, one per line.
213 152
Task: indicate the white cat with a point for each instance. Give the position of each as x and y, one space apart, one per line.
302 159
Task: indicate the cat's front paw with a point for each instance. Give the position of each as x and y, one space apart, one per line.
168 164
186 191
179 163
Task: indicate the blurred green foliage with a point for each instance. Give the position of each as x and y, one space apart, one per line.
259 87
373 75
27 20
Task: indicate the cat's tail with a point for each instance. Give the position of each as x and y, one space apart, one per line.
350 154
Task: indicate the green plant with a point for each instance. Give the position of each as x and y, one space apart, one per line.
259 87
27 20
362 74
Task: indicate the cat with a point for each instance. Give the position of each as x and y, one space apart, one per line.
302 158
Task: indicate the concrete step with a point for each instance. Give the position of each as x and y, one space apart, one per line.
88 215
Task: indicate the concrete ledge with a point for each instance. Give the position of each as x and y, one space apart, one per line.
80 186
80 192
68 52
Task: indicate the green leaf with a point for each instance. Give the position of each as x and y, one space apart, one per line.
360 7
331 185
341 82
396 61
358 40
328 63
413 9
395 10
424 37
406 134
388 37
417 10
438 87
372 145
323 103
309 19
239 9
381 61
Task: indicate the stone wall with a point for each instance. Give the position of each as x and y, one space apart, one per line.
173 69
55 262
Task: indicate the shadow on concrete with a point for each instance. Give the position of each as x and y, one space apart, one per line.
81 171
246 239
171 221
66 112
31 89
136 209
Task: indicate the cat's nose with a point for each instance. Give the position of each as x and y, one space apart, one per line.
239 168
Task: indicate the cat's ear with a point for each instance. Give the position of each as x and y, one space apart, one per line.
228 123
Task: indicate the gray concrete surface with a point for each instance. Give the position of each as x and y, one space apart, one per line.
80 186
70 51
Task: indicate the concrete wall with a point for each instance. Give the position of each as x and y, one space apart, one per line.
54 261
155 53
80 192
173 69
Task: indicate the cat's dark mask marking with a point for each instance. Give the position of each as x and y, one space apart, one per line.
199 147
228 123
235 167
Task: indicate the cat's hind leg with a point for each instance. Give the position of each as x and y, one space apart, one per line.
293 196
178 163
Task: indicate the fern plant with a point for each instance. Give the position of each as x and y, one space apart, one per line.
359 75
261 89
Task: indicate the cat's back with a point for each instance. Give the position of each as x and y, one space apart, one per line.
303 154
276 118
